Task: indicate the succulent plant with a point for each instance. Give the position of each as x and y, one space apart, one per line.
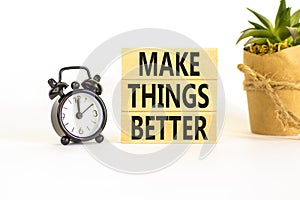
270 38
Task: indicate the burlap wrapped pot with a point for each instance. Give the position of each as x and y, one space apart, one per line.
272 82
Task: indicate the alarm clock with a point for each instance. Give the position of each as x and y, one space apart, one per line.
79 115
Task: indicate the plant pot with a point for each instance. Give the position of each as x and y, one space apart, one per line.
280 66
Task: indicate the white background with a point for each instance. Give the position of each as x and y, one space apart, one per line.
40 37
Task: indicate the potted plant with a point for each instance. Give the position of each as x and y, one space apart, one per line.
272 73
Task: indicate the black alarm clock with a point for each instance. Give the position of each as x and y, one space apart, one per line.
80 115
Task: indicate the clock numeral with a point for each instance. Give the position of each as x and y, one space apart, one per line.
80 131
63 116
77 99
95 113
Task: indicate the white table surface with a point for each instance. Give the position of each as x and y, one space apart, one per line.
38 37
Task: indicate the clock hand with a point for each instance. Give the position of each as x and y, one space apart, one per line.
87 108
78 114
78 106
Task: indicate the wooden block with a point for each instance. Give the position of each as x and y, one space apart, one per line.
207 60
169 95
163 126
182 87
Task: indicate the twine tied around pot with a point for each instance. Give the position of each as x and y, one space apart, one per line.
269 86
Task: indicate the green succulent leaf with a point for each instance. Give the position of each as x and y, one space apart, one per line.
285 31
257 41
296 25
295 18
281 30
282 33
281 9
263 19
256 25
285 19
255 33
298 41
294 33
248 29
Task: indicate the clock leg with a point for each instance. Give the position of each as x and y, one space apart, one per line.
99 138
65 140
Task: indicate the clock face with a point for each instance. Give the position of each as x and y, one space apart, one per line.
81 114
